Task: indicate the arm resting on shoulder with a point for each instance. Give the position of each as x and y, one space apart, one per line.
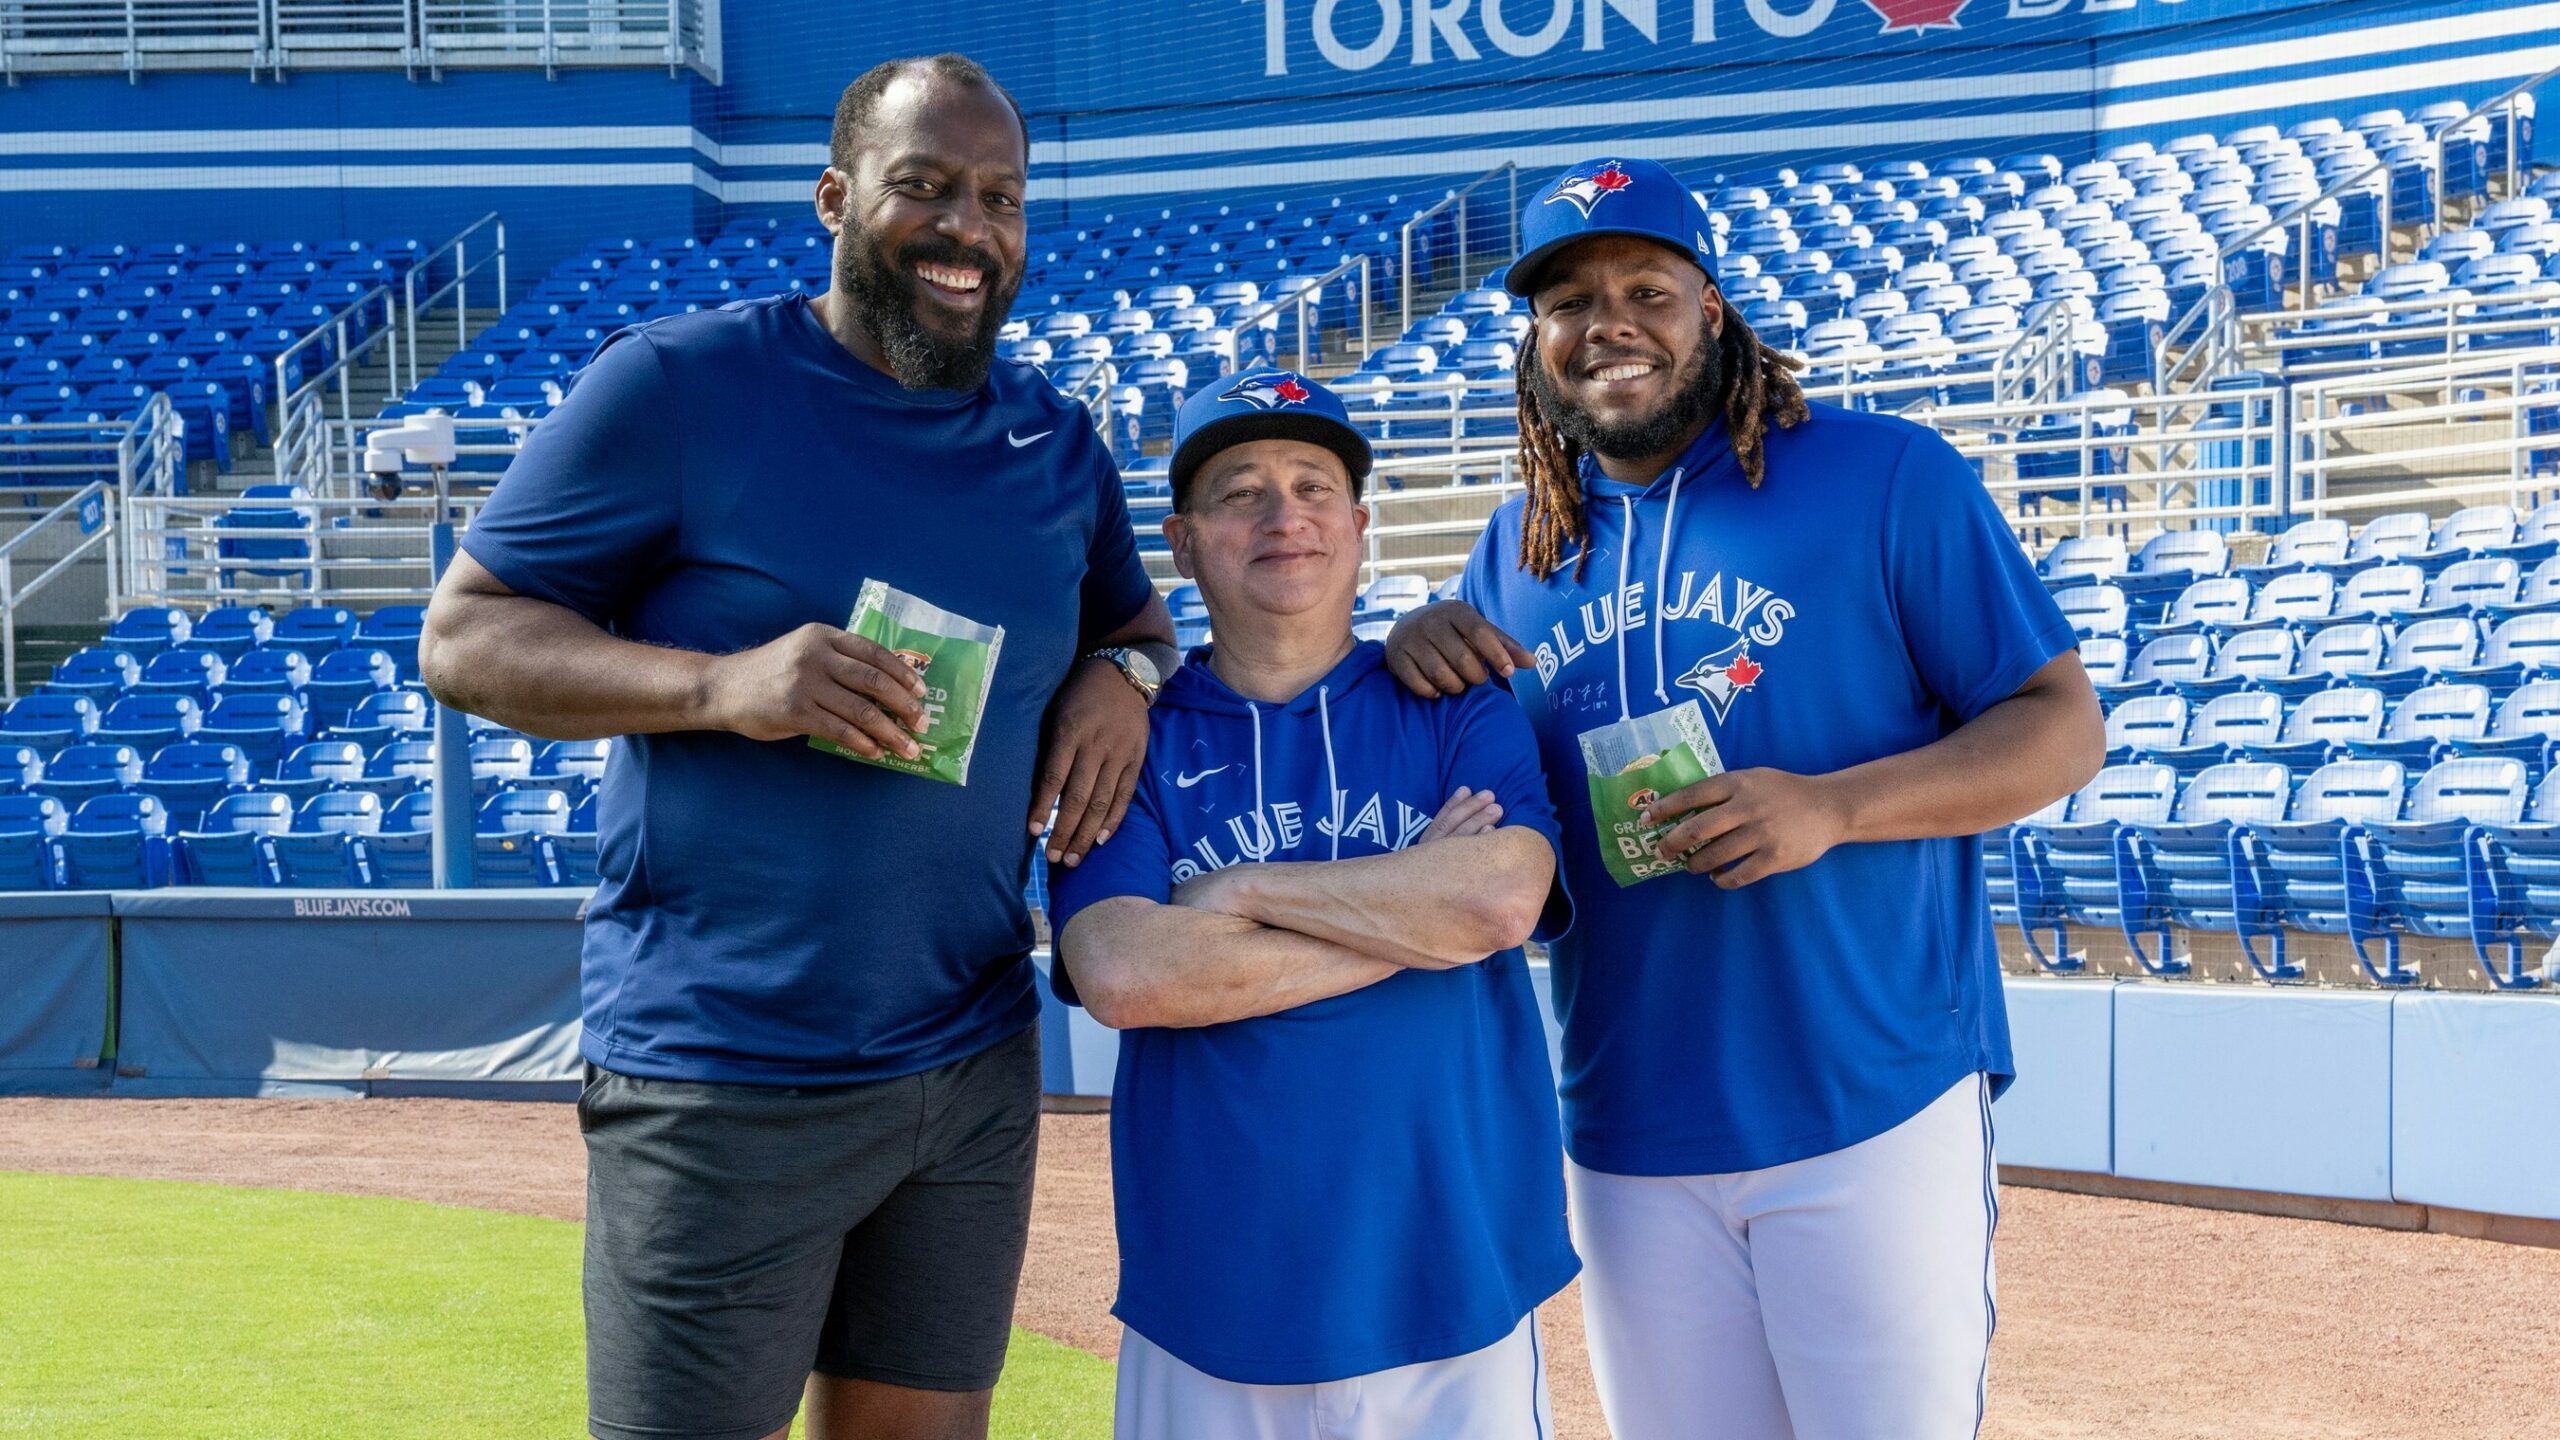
1139 963
1430 906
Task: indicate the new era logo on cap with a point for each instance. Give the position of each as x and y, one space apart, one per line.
1269 391
1586 189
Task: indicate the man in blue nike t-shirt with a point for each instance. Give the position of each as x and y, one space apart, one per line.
1333 1133
813 1095
1779 1056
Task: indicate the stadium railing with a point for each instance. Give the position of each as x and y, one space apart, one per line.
82 523
1457 199
295 549
132 37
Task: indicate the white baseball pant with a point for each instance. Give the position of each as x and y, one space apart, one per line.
1847 1296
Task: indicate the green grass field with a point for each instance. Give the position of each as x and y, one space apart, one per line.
201 1312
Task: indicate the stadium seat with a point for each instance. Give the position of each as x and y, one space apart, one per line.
116 842
231 848
384 716
323 849
2421 722
261 724
196 674
268 670
231 631
314 631
342 680
96 672
47 723
2407 875
90 769
511 845
2065 871
28 826
148 722
2185 871
395 768
2510 872
189 778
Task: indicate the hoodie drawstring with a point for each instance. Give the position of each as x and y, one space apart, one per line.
1332 781
1259 814
1626 545
1661 574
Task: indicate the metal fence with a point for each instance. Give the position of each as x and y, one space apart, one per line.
132 37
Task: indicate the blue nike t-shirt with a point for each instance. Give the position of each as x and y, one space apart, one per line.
1866 600
1371 1180
770 913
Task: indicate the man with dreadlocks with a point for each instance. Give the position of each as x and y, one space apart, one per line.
1779 1056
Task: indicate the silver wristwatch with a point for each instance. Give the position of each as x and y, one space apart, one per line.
1140 670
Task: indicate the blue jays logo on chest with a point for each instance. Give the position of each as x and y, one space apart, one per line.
1218 818
1721 678
1739 617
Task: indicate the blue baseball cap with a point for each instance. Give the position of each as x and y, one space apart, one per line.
1262 405
1611 197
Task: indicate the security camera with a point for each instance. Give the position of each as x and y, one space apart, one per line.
419 440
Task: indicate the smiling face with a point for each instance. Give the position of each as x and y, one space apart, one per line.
1272 529
1628 366
929 229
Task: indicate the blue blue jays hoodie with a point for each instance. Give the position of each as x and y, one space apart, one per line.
1372 1180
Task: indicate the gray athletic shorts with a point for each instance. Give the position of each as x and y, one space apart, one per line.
741 1236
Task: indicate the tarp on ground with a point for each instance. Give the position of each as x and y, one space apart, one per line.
261 991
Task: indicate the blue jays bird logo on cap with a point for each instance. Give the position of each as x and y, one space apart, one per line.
1722 677
1269 391
1584 192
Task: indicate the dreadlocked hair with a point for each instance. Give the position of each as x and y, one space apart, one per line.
1759 387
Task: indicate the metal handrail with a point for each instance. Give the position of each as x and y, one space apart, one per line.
298 405
1457 197
1300 298
2214 350
93 505
2301 212
458 286
2038 362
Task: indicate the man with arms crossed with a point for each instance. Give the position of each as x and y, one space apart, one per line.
1333 1134
1779 1065
813 1093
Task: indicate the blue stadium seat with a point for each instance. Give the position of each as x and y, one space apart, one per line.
323 849
231 848
268 670
344 678
2512 900
20 767
497 764
2065 871
2187 872
384 716
262 725
147 631
315 766
195 674
188 779
116 842
2408 875
147 722
2421 723
2521 728
96 672
511 845
28 825
2220 729
315 631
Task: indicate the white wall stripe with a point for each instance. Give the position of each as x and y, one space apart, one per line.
352 177
2526 20
2497 65
473 137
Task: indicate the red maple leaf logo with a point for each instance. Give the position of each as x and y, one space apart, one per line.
1612 179
1918 15
1742 672
1290 390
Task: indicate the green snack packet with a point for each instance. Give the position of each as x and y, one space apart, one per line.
1630 765
957 658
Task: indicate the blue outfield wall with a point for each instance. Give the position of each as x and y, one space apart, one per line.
2428 1098
1134 99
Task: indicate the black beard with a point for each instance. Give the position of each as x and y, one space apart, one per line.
1699 395
885 295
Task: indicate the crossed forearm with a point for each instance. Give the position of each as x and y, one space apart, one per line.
1259 939
1139 963
1442 903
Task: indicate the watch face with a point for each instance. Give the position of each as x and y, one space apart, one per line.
1142 667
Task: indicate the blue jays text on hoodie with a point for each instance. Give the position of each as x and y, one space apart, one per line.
1867 599
1371 1180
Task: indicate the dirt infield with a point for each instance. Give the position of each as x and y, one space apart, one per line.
2119 1320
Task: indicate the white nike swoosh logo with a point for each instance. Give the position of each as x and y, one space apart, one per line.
1185 782
1018 441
